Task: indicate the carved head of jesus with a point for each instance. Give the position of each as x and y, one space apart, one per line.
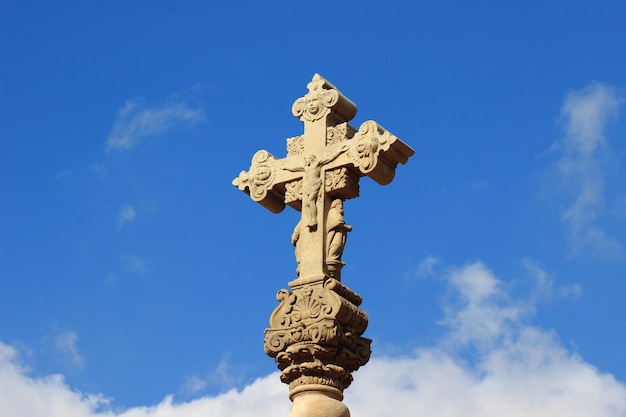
310 160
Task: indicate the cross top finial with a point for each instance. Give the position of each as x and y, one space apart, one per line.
322 97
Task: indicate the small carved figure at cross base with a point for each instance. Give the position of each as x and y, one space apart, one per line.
337 230
315 333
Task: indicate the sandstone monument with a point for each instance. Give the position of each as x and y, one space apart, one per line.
316 330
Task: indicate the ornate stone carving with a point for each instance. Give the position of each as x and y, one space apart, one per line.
315 335
339 133
315 157
315 332
293 194
259 181
317 103
342 183
295 146
377 152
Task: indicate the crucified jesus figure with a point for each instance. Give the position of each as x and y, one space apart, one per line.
312 182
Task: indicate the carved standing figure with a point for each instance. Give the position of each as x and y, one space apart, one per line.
312 182
295 237
337 230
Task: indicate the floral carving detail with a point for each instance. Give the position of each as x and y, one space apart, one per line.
342 183
336 179
293 191
339 133
295 145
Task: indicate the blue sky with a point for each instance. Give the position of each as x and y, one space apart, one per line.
135 280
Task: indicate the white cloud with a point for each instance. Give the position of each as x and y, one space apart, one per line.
513 368
22 395
586 113
265 397
137 121
478 310
516 370
582 154
125 215
25 396
529 375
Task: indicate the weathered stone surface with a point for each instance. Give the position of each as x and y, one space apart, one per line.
315 333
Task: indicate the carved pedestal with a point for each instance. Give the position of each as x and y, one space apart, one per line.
315 337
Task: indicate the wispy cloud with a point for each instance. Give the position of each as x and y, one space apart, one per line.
99 171
62 344
582 152
544 287
518 370
135 264
225 376
65 176
136 121
66 345
425 269
193 384
125 215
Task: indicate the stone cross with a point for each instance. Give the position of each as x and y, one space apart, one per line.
323 164
315 335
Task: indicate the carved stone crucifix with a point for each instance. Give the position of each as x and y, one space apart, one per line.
316 330
323 164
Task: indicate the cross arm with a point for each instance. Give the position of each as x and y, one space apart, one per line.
374 152
265 181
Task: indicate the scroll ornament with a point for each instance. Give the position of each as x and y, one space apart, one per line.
315 335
